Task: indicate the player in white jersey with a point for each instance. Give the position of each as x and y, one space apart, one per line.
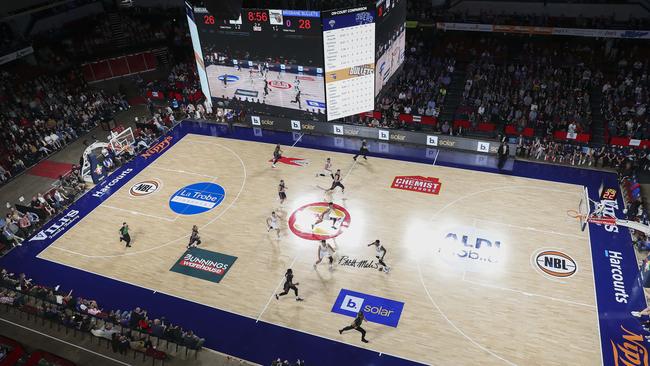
380 254
273 223
325 250
327 169
326 215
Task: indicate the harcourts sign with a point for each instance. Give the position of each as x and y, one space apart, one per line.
616 270
106 187
376 309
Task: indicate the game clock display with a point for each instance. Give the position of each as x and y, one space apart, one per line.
264 20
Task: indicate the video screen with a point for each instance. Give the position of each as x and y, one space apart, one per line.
269 60
390 40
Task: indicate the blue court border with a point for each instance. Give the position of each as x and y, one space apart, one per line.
262 342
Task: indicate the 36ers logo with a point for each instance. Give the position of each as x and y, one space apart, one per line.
279 84
301 221
144 188
293 161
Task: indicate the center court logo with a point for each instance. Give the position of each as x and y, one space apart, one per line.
301 220
630 350
197 198
376 309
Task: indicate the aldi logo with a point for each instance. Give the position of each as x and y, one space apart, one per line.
376 309
204 264
418 183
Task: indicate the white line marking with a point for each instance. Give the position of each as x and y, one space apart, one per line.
182 171
436 158
593 275
64 342
527 293
275 291
530 228
136 212
350 171
299 137
241 189
454 325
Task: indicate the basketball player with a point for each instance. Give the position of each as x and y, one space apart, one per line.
362 151
337 182
124 234
289 285
225 80
266 87
325 250
297 99
272 223
282 191
356 325
277 155
195 239
326 215
381 253
327 169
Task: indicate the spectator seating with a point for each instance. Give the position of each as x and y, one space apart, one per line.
124 331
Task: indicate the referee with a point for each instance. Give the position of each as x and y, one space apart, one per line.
356 325
362 151
124 234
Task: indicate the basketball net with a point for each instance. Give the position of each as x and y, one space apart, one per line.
600 220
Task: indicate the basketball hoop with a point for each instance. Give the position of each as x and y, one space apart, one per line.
601 220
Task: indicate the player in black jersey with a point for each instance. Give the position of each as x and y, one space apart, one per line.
297 99
356 325
289 285
337 181
362 151
277 155
195 239
282 189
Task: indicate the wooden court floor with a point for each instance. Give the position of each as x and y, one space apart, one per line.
490 307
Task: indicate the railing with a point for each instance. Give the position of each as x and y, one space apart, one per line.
33 308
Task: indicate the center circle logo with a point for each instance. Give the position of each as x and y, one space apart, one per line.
279 84
144 188
197 198
303 222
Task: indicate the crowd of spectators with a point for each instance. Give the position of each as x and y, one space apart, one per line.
529 95
42 115
24 218
126 330
625 100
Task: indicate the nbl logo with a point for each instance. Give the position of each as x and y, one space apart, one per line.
144 188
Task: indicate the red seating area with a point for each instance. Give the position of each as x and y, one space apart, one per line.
565 136
512 131
119 66
406 118
15 351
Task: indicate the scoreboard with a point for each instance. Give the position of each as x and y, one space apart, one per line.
300 64
298 22
349 48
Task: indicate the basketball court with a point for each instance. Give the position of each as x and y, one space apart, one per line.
282 87
487 268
